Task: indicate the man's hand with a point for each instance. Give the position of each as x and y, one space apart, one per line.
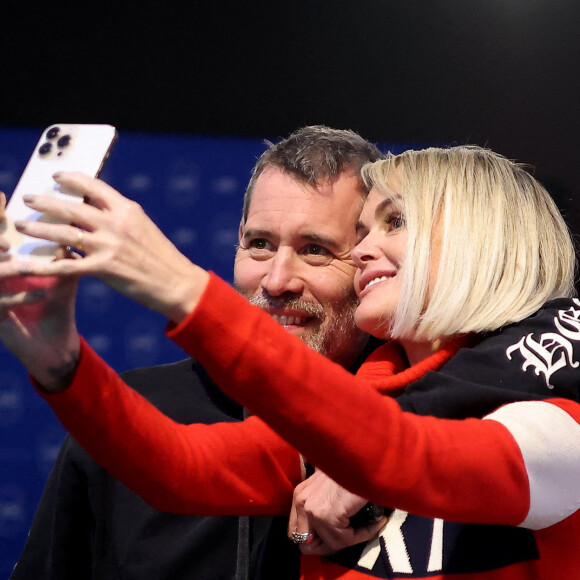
323 508
120 244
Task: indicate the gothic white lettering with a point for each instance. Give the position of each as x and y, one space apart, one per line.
552 351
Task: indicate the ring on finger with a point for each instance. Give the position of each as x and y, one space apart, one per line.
79 242
302 538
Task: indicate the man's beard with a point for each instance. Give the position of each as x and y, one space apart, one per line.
336 332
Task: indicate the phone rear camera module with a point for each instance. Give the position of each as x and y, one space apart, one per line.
45 149
52 133
64 142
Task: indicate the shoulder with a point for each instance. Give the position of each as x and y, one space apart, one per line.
561 316
184 391
545 347
537 358
144 378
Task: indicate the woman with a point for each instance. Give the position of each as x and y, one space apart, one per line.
488 249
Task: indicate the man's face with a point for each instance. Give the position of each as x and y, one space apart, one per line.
294 259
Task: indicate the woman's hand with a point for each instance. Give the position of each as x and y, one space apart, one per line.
4 246
120 244
322 508
37 320
37 325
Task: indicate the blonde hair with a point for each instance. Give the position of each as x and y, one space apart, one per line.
504 247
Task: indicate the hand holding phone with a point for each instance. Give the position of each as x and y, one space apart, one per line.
62 147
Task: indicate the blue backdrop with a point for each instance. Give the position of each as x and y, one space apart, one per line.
192 187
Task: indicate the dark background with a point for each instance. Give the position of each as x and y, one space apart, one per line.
500 73
173 76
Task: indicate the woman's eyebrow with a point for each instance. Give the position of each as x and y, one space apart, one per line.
384 205
381 208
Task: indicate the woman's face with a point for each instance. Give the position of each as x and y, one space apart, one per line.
378 257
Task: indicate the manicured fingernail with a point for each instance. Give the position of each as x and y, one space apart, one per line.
56 176
28 198
20 225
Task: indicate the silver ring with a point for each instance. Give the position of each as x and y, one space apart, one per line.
304 538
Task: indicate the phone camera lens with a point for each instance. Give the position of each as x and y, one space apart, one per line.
45 148
52 133
64 142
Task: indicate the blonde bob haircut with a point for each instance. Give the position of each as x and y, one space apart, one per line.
504 247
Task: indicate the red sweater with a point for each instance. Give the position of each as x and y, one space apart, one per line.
471 471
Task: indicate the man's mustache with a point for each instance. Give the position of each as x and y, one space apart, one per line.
280 302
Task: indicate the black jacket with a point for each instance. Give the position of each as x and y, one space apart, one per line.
88 526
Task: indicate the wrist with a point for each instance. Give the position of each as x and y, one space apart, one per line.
55 378
187 295
55 374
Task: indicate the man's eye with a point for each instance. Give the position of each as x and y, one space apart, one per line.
361 234
258 244
258 248
316 255
317 250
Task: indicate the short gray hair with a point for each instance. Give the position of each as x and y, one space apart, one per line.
313 154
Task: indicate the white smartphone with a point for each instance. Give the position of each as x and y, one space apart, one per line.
62 147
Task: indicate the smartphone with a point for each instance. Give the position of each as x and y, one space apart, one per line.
62 147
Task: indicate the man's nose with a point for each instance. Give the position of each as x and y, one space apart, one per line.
283 274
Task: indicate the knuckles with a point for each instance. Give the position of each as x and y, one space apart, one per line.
311 504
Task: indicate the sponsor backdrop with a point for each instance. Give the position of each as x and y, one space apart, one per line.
192 187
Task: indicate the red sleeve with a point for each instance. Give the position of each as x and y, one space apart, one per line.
221 469
469 470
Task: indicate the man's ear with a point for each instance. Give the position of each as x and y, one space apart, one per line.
240 234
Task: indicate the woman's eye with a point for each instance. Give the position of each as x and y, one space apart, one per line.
395 221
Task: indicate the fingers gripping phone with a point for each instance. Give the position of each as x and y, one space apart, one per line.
62 147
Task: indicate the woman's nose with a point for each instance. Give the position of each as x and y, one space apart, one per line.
365 251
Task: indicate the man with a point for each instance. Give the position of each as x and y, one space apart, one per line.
293 260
